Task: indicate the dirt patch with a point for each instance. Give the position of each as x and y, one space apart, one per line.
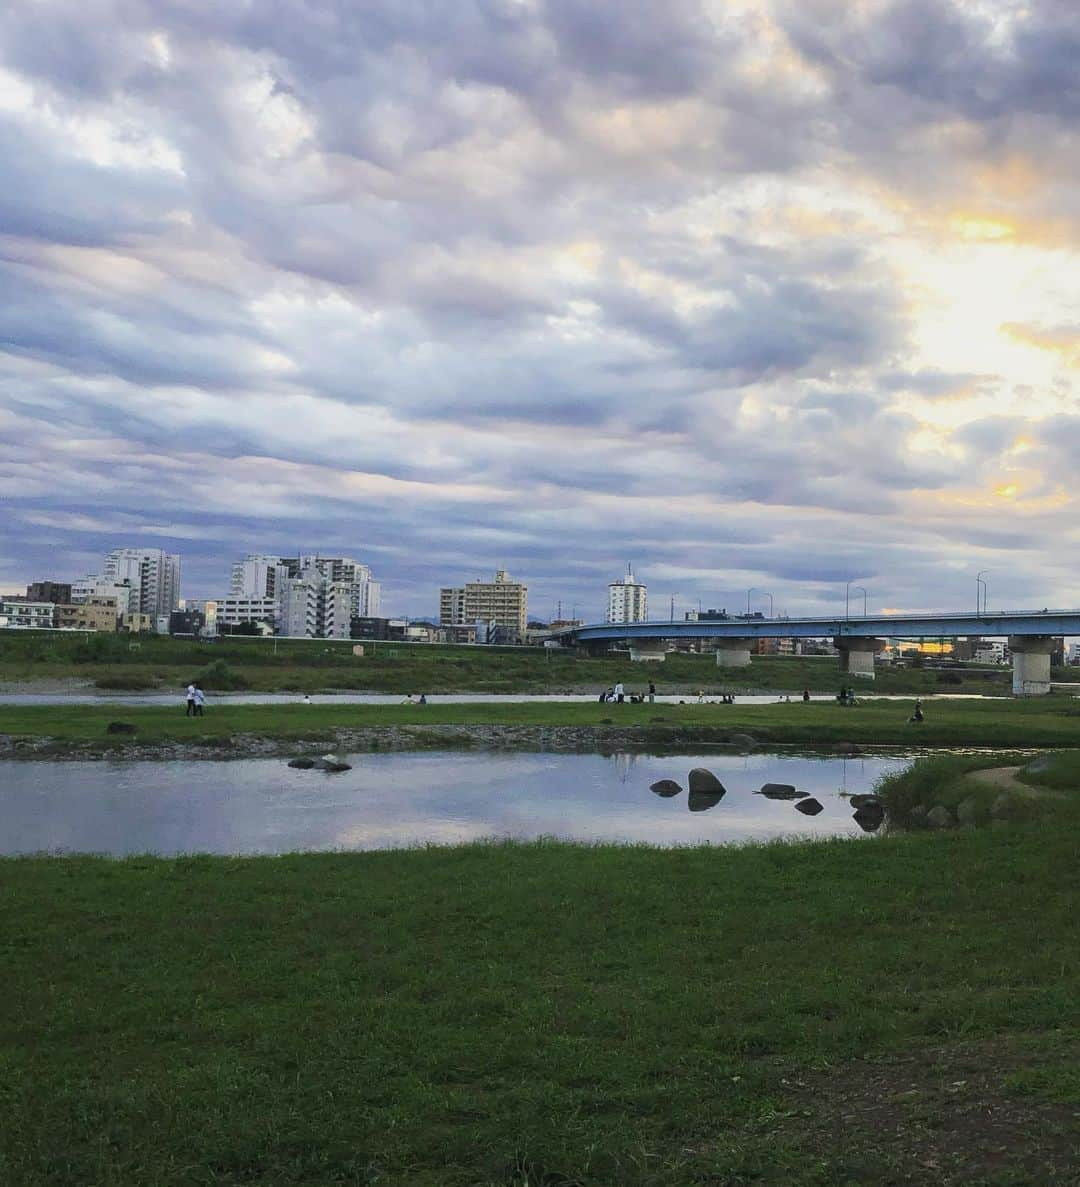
998 1111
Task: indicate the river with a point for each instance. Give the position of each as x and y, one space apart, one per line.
261 806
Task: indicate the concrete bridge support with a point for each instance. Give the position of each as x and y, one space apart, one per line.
648 650
733 653
1031 664
857 655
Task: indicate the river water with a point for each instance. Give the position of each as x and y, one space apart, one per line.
261 806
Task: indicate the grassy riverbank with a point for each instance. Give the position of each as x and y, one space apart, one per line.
1046 721
156 662
900 1011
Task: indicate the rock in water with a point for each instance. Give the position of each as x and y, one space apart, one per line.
302 764
781 791
809 806
702 801
703 780
865 801
331 762
665 787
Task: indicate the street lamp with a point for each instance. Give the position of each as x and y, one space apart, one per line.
847 598
981 585
754 589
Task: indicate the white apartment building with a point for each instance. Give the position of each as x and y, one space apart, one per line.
40 615
94 585
312 606
263 576
628 600
232 611
154 574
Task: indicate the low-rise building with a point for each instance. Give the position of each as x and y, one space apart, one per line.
134 622
24 615
237 609
49 591
96 615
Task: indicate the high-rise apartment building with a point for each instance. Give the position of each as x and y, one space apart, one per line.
315 607
262 576
501 601
628 600
154 574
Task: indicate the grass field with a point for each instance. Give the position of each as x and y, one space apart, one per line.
1040 722
902 1010
149 662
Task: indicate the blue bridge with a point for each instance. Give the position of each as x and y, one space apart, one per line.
858 639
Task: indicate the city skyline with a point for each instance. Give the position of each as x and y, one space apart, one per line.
778 296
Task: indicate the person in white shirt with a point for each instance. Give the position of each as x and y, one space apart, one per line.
620 693
200 700
190 701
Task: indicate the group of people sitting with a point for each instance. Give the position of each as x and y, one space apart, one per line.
846 696
617 694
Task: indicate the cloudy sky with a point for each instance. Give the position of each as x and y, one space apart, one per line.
770 293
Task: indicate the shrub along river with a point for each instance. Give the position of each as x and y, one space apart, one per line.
388 800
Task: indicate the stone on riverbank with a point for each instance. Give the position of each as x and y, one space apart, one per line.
940 817
869 819
665 787
301 764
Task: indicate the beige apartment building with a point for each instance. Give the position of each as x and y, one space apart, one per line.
501 601
95 614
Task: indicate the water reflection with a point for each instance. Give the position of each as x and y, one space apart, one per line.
387 800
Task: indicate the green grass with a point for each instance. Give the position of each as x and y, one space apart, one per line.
546 1014
150 661
1000 723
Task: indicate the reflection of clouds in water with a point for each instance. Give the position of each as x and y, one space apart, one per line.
259 806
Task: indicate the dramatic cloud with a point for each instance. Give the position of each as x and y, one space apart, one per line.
771 293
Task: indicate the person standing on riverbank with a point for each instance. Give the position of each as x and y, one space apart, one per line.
200 700
652 693
190 701
620 693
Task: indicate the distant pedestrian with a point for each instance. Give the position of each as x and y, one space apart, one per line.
602 698
200 701
806 696
701 696
917 716
307 699
423 699
190 701
652 693
620 693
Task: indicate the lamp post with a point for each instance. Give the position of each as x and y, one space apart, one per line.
847 599
981 587
754 589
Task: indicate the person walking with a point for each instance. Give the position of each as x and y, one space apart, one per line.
190 701
620 693
917 716
200 701
652 693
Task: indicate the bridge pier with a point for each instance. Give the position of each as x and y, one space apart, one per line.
1031 664
733 653
857 655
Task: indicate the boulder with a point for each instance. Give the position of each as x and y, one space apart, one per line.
940 817
702 801
865 801
331 764
701 779
809 806
742 741
121 727
781 791
665 787
869 819
302 764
